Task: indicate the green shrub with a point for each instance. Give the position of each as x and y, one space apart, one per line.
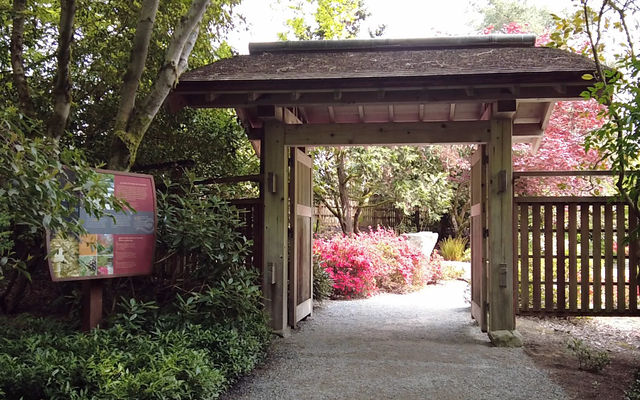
322 282
589 359
633 393
191 349
452 249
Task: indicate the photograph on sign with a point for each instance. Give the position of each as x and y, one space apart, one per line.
120 243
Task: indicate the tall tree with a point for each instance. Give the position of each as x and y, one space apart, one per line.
497 14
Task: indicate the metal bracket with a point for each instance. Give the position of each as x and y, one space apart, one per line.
272 186
502 275
502 181
271 266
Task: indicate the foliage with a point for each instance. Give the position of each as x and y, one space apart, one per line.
365 263
600 30
322 282
451 272
501 13
589 359
41 187
325 19
196 222
452 249
633 392
193 349
350 179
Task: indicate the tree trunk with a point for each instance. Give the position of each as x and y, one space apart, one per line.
62 89
356 217
347 222
25 102
126 141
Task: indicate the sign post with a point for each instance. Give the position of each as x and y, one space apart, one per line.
119 244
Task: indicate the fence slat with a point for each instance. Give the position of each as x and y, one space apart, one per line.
597 257
621 278
584 256
560 257
524 256
608 257
573 275
548 257
633 265
535 234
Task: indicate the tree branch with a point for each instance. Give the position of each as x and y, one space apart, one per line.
137 61
62 88
17 63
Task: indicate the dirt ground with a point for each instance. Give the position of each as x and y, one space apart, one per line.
546 343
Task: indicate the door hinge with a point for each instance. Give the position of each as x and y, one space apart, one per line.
485 233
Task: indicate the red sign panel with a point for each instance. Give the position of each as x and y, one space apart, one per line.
117 244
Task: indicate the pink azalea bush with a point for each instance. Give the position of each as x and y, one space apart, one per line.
366 263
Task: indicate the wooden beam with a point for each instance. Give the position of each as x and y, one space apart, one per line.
452 111
400 133
275 274
505 108
546 114
272 113
500 209
528 130
373 96
421 112
392 116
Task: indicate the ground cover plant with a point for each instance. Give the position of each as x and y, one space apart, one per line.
192 348
363 264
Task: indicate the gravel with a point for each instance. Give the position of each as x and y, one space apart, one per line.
422 345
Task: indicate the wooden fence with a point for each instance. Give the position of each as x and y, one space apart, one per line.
370 216
572 256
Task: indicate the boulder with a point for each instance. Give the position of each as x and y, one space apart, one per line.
425 241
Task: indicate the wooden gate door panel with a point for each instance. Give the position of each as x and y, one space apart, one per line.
301 267
479 245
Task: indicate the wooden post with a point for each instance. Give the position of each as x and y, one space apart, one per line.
501 274
91 303
275 274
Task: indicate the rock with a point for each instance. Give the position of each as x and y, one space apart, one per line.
426 241
506 338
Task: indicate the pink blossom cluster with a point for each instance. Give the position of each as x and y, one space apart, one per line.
366 263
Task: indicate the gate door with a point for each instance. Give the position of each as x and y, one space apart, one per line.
301 265
479 245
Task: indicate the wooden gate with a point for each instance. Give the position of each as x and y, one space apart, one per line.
479 243
301 265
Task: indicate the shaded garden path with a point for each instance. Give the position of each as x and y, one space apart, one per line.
417 346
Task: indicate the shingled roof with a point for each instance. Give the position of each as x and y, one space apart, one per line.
427 62
391 81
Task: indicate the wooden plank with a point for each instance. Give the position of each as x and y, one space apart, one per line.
573 263
621 278
560 257
397 133
518 174
565 199
597 259
537 256
548 257
608 257
275 227
633 264
501 273
524 257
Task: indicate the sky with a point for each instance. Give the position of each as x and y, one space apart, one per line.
403 18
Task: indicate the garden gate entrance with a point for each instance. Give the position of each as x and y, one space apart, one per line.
487 90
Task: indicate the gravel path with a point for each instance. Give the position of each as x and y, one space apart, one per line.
417 346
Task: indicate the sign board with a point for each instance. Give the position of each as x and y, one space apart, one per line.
117 244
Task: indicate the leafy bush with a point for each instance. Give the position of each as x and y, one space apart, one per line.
200 224
453 249
363 264
633 393
191 349
589 359
322 282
